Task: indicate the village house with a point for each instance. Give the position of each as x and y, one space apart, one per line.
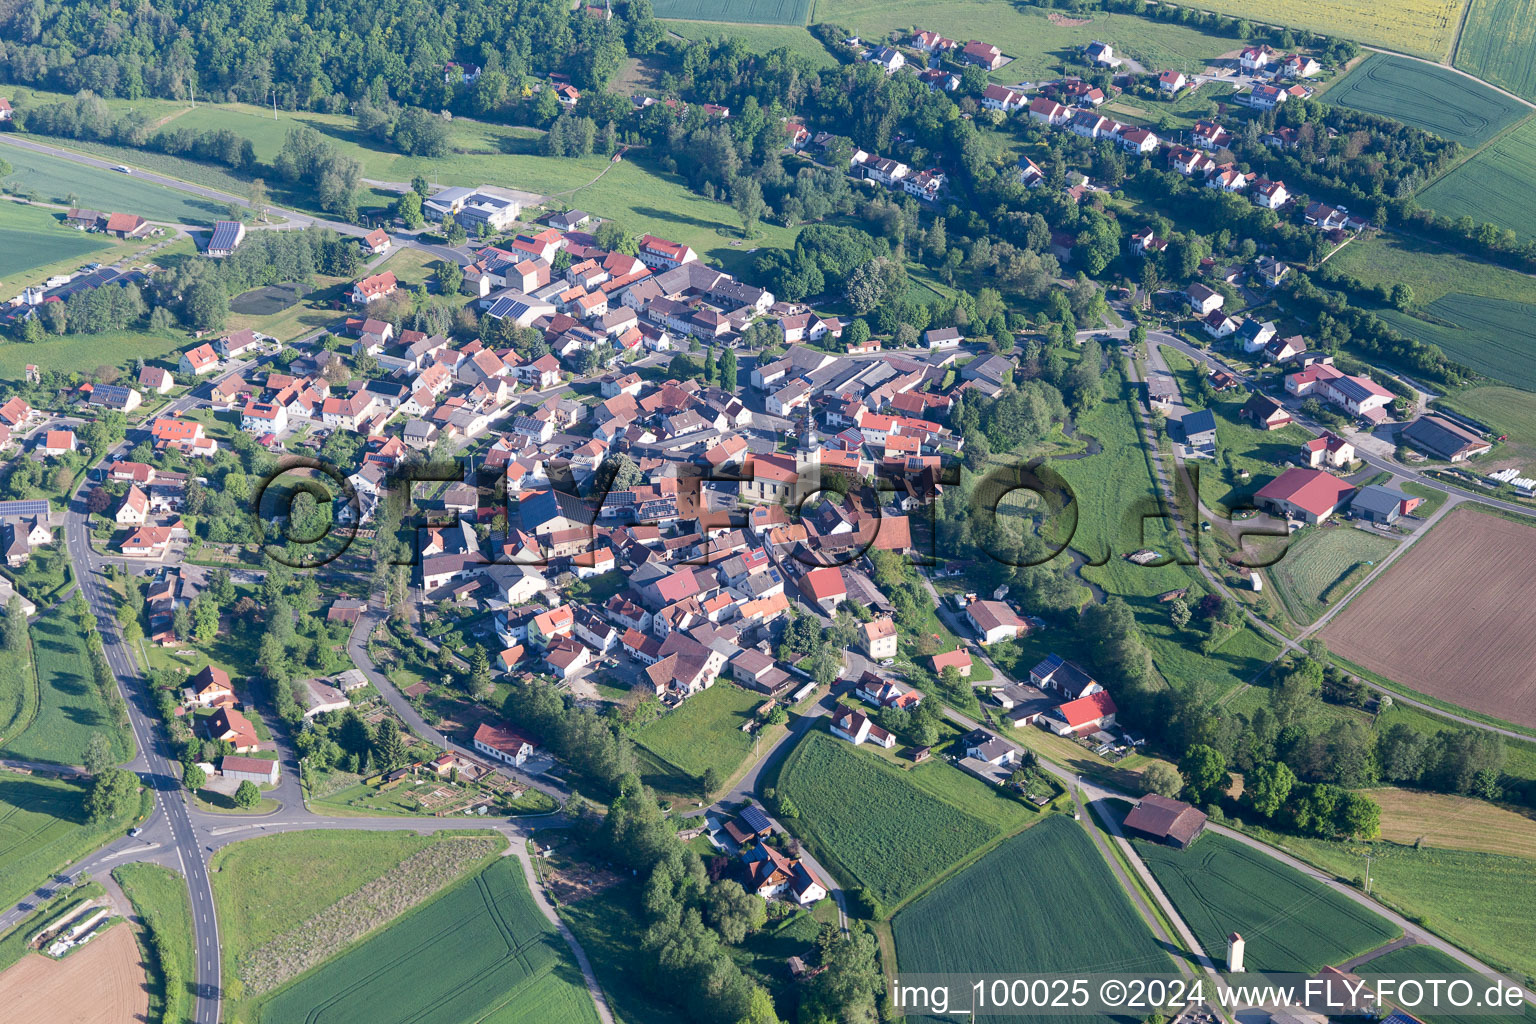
198 361
503 743
855 727
1329 450
994 621
374 288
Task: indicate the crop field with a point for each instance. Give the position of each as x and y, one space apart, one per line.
915 836
101 983
1496 44
1496 337
1436 99
1454 822
1510 411
1291 922
159 897
31 238
1446 601
53 179
1479 901
1321 568
1492 186
43 827
1008 910
71 708
759 38
1430 270
761 12
1424 27
1429 962
1033 38
481 951
704 731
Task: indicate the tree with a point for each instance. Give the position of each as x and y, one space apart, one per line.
747 197
1268 787
1358 816
259 199
734 912
114 794
98 753
709 781
389 745
15 626
760 1004
1161 779
247 796
450 277
1204 770
192 775
479 673
408 209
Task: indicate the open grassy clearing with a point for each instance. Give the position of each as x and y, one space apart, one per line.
54 179
1431 271
71 708
43 828
763 12
1114 490
18 696
159 897
1491 186
1479 901
1503 410
704 732
1042 901
759 38
1454 822
1321 567
481 951
1496 43
32 239
1037 42
1291 922
915 837
1429 962
87 351
1436 99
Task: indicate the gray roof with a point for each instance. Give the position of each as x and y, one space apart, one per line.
1201 421
1378 499
224 234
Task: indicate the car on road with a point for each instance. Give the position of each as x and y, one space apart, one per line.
123 168
134 832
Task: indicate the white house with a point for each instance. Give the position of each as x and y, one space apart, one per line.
503 743
856 728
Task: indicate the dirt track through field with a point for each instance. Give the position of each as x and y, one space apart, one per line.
1453 617
102 983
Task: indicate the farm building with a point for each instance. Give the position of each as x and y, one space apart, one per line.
1381 505
1199 428
994 621
1168 821
1307 494
1439 437
249 769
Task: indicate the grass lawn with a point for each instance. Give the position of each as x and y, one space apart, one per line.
1291 922
1503 410
34 242
1432 272
1322 565
609 927
1479 901
84 352
1433 497
759 38
1035 41
18 695
919 834
71 708
480 951
43 829
1449 821
701 733
1044 899
54 179
305 316
159 897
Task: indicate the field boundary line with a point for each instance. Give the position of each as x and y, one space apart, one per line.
1461 26
37 689
1450 67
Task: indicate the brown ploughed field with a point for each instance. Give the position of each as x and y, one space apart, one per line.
100 983
1454 617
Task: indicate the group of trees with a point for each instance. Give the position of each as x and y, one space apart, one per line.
411 130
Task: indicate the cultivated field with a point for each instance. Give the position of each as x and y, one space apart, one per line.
54 179
1445 820
1042 901
1492 186
1438 100
1447 619
915 836
759 38
1429 962
1291 922
71 709
1478 901
1036 41
31 239
1496 44
1425 27
481 951
1430 270
1496 337
703 732
102 983
761 12
1509 411
1323 565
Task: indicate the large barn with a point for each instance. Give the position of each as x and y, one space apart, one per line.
1168 821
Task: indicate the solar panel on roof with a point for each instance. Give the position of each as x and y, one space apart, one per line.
27 507
755 819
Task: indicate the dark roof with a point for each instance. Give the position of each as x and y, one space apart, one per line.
755 819
1378 499
1164 818
1439 436
1200 421
224 234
